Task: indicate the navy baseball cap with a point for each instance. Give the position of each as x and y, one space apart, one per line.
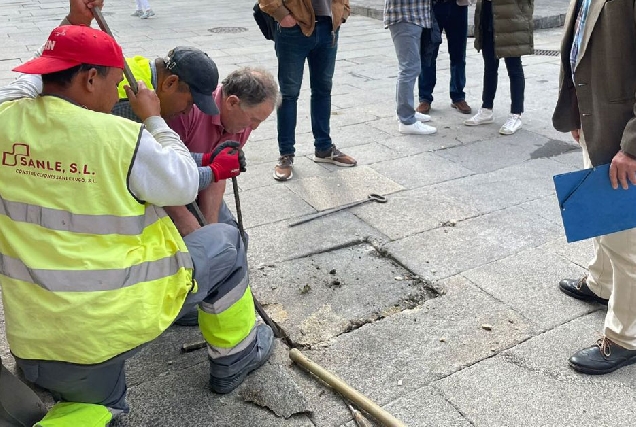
196 68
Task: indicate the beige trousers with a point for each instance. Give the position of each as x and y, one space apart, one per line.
612 275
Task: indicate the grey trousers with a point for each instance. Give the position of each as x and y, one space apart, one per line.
406 39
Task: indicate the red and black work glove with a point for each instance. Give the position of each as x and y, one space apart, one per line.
226 161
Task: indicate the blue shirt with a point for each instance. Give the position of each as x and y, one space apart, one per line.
579 28
418 12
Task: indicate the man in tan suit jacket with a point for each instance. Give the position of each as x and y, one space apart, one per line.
597 104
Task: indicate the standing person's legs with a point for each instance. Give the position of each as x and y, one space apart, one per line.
456 35
143 4
322 63
428 75
406 39
620 321
236 346
517 84
292 48
491 63
612 274
600 271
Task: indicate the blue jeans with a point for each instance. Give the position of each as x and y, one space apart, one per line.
319 49
491 67
406 39
453 20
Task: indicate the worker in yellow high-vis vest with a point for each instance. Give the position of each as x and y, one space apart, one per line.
186 76
91 266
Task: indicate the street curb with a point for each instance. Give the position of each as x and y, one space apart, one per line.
540 23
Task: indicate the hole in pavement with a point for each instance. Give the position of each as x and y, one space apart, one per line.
324 295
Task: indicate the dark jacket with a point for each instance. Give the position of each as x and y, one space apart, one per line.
602 102
513 27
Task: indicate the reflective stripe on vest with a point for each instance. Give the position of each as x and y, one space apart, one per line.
88 272
230 320
56 219
67 414
140 68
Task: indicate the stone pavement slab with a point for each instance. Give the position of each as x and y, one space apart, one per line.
531 382
343 186
447 251
526 281
433 410
397 218
441 337
325 295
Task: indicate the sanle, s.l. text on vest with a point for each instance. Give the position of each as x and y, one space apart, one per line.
21 157
49 45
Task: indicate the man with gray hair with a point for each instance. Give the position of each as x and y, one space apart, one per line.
245 98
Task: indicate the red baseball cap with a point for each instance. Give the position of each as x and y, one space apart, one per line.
72 45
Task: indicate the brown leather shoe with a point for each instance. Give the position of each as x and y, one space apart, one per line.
424 107
334 156
462 107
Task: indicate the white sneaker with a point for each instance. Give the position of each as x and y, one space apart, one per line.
483 116
512 125
147 14
417 128
137 12
420 117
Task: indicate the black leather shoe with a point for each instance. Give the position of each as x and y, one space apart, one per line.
603 358
577 288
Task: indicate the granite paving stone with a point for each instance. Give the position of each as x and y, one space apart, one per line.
263 205
510 186
413 211
542 354
546 207
580 253
430 169
436 339
262 175
527 282
315 299
446 251
342 186
276 242
435 410
495 153
489 394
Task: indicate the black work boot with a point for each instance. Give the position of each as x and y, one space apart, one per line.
225 378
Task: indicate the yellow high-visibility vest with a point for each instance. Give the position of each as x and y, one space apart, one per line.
87 271
140 68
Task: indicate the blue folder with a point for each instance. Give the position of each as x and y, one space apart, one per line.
589 205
